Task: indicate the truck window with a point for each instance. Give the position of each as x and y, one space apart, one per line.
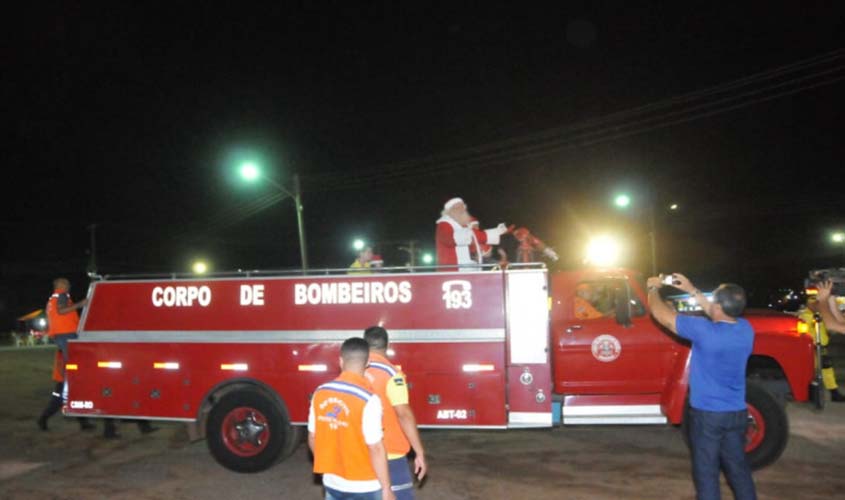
596 299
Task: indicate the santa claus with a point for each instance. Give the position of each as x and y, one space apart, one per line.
455 234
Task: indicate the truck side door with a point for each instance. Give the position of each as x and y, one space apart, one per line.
596 354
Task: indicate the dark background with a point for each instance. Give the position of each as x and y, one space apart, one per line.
133 118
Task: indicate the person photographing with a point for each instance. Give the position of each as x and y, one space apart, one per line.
828 309
721 345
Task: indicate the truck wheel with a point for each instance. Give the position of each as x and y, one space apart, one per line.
247 432
296 434
768 427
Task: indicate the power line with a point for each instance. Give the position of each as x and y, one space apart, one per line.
500 152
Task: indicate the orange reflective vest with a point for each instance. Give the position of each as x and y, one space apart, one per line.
58 367
379 374
339 446
60 323
585 310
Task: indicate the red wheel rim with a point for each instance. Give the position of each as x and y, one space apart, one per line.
756 430
245 431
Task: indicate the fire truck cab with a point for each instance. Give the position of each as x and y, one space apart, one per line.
238 356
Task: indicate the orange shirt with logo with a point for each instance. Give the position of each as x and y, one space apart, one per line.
340 447
389 383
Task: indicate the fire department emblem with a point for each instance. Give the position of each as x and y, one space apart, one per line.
606 348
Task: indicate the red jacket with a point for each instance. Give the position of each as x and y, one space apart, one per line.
453 243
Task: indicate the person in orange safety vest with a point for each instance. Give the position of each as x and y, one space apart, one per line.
62 315
583 303
400 425
57 397
345 431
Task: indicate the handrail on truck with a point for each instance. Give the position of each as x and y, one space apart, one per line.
314 272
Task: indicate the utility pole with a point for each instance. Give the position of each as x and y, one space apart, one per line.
652 234
92 261
297 198
412 252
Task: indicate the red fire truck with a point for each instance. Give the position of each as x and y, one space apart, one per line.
238 356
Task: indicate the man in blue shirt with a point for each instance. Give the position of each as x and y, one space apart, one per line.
721 345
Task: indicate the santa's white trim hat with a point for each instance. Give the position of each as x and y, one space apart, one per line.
451 203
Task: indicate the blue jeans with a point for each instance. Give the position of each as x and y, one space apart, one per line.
718 444
340 495
61 342
401 481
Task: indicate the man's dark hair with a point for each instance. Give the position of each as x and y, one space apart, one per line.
732 299
376 337
355 349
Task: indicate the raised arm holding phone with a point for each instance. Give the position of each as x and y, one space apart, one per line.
721 345
831 316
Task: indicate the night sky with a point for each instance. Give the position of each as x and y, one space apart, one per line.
134 118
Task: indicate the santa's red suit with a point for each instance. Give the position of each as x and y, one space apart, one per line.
453 242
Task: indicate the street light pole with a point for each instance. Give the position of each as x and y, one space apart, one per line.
92 263
652 234
297 199
838 238
250 172
623 201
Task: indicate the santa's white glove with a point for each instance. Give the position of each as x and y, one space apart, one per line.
551 254
502 228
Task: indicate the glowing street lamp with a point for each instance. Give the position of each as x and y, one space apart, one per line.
251 172
838 238
622 201
359 244
427 259
199 267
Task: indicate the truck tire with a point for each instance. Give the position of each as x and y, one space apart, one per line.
768 427
248 432
296 435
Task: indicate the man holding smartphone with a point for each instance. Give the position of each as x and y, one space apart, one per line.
828 309
721 345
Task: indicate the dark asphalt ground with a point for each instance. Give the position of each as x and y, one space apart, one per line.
571 463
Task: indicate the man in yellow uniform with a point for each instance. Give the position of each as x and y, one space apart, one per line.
400 425
806 314
345 431
363 262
